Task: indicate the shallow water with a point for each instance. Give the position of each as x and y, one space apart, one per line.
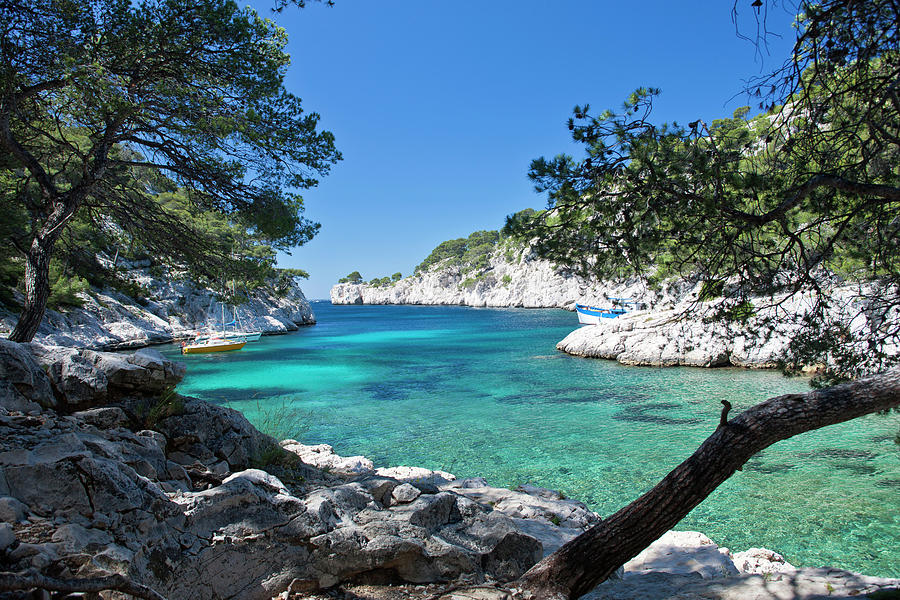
483 392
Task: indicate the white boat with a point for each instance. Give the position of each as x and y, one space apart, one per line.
592 315
235 334
211 345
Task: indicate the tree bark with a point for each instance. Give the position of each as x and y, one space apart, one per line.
37 291
589 559
37 266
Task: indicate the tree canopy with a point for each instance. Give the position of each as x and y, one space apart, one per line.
471 252
798 199
353 277
106 105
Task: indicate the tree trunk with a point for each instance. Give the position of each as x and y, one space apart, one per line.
37 289
589 559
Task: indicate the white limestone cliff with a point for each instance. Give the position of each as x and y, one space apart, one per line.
513 279
176 307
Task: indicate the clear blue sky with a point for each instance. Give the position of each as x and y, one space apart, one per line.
439 107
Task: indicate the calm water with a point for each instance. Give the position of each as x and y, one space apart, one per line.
483 392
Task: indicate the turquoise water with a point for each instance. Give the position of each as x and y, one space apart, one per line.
483 392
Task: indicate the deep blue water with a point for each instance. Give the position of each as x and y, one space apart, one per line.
483 392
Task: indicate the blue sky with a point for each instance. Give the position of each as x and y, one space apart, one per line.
439 107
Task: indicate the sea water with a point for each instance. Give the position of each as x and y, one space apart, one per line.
484 392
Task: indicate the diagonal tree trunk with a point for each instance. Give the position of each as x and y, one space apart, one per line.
37 267
37 291
589 559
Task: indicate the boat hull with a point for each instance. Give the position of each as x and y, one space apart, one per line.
592 315
207 348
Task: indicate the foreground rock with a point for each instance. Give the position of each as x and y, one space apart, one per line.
173 309
681 565
126 477
103 470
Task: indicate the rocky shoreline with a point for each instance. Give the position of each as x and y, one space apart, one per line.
174 309
104 470
677 328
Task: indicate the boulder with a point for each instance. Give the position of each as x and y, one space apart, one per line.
11 510
7 536
75 378
405 493
761 561
84 379
419 477
323 456
24 386
199 432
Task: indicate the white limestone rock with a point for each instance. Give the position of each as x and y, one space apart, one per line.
417 476
175 309
761 561
683 553
539 512
802 584
323 456
405 493
513 279
24 386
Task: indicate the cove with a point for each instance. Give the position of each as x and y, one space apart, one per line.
483 392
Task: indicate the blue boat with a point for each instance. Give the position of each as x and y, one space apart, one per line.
591 315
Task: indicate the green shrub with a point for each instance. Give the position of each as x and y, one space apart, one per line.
152 411
742 312
273 455
282 421
65 287
711 289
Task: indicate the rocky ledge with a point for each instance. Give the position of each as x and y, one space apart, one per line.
691 333
173 309
104 470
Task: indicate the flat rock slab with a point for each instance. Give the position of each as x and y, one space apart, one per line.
683 553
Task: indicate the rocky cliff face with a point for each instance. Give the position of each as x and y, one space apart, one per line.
175 309
512 279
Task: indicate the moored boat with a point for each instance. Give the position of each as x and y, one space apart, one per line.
591 315
214 344
232 331
234 336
